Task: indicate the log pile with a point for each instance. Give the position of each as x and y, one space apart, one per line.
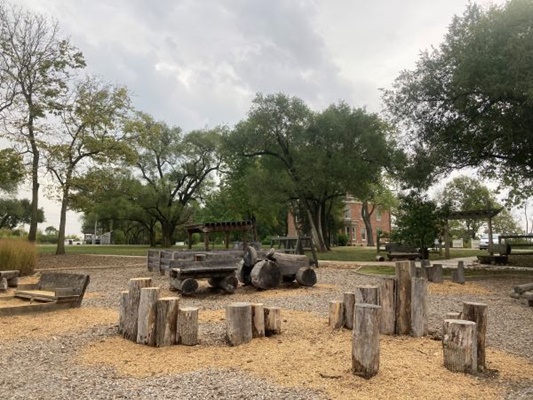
274 268
524 292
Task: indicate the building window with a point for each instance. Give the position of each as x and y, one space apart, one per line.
378 216
347 214
363 233
347 230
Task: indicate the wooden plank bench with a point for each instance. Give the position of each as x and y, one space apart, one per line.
9 279
397 251
219 273
56 287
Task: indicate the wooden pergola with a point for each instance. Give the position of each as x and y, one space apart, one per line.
227 227
487 213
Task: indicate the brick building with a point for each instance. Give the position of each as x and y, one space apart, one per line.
354 226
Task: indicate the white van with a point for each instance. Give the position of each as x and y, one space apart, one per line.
484 241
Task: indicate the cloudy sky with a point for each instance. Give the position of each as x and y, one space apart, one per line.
198 63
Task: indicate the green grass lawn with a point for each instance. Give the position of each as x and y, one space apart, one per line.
387 270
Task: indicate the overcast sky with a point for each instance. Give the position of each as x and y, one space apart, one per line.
198 63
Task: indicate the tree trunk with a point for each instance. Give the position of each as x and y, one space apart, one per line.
459 345
134 288
147 316
166 321
477 312
32 235
365 340
367 215
419 315
317 237
239 323
62 221
167 233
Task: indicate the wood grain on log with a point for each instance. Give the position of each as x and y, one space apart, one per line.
166 321
134 288
147 316
272 321
239 323
387 293
365 340
243 273
123 312
437 273
349 307
250 256
187 326
258 320
367 294
477 312
265 275
305 276
419 316
186 286
459 345
336 314
289 264
404 273
458 275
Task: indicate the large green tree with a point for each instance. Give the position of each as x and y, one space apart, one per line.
92 119
11 170
14 212
469 101
35 67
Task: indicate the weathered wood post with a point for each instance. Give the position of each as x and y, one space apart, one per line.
258 320
272 321
387 294
349 304
458 275
477 312
265 275
306 276
123 312
367 294
365 340
187 326
336 314
147 316
419 316
132 313
437 273
166 321
459 345
239 323
405 270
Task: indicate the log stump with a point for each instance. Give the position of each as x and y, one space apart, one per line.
477 312
459 345
132 310
458 275
419 316
123 312
258 320
387 293
349 307
437 273
272 321
147 316
306 276
3 285
367 294
166 321
336 314
365 340
405 270
239 323
187 326
265 275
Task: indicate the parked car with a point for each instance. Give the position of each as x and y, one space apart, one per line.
484 241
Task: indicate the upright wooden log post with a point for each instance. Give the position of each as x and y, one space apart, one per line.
459 345
336 314
458 275
419 316
258 320
349 304
147 316
166 321
437 273
187 326
367 294
423 271
132 313
365 340
272 321
453 315
387 295
239 323
123 312
404 273
477 312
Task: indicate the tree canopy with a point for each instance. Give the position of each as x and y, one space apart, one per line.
469 102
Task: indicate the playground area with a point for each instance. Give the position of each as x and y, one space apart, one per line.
79 350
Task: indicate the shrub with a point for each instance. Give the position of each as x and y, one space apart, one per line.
18 254
342 239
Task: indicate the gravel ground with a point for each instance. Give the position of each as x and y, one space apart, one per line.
43 367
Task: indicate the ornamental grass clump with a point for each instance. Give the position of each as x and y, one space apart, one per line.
18 254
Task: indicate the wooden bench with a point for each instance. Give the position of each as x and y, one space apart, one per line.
9 279
398 251
56 287
219 273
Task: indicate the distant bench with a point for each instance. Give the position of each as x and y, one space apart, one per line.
398 251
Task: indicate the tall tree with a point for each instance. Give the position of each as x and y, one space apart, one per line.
92 118
15 212
11 170
35 66
469 102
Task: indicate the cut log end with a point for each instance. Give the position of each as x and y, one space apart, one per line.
306 277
